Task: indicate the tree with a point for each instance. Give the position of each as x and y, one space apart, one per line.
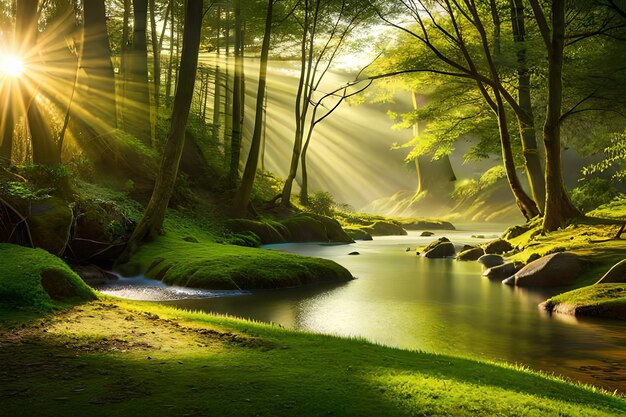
558 207
137 111
45 151
238 104
98 104
151 223
242 199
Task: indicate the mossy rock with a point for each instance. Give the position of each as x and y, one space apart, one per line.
334 231
415 224
384 228
497 247
470 254
304 228
441 250
267 231
50 221
358 233
35 279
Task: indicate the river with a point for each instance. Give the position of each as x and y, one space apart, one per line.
435 305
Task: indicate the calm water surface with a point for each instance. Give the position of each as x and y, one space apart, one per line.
436 305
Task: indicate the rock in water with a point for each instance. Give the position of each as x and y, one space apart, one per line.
490 260
501 272
439 241
617 273
426 234
555 270
354 253
498 246
470 254
442 250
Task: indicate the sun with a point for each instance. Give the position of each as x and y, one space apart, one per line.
11 65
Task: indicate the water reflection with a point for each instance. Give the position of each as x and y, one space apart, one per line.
437 305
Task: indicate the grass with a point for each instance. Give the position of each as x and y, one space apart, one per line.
360 224
113 357
189 255
600 300
22 286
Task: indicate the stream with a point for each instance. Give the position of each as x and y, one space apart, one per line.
435 305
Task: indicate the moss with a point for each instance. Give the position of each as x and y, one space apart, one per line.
357 233
126 358
384 228
268 231
599 300
35 279
314 228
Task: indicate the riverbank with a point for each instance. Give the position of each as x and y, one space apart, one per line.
128 358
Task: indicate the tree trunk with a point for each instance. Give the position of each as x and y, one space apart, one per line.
235 147
217 90
151 222
526 205
137 110
7 124
559 208
45 151
156 55
525 121
168 80
98 101
228 121
124 61
242 198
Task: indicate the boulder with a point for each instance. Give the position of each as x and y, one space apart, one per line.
555 270
617 273
442 250
470 254
354 253
426 234
498 246
437 242
533 257
467 247
358 234
501 272
50 221
490 260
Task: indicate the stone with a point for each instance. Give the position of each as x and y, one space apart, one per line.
354 253
472 254
498 246
501 272
533 257
426 234
555 270
358 234
442 250
490 260
617 273
432 244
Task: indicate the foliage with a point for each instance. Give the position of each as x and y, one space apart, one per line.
599 300
615 156
322 202
471 187
593 193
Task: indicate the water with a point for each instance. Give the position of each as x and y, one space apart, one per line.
436 305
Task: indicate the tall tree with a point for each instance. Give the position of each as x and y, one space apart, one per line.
137 111
242 199
558 208
45 151
238 94
151 223
525 117
217 93
98 83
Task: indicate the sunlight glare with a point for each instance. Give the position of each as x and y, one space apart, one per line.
12 66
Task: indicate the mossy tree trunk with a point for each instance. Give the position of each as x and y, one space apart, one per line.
151 223
558 208
242 199
217 90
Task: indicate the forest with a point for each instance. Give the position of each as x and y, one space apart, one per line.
313 207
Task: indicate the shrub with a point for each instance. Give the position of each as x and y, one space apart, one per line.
322 202
594 193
